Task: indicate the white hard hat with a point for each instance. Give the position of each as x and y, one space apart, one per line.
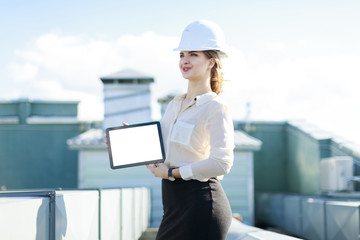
202 35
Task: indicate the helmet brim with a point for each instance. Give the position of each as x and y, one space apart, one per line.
219 52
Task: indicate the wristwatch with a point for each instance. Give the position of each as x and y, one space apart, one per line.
170 175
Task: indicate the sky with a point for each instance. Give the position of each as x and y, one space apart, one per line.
290 60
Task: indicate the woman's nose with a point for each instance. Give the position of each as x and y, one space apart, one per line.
184 60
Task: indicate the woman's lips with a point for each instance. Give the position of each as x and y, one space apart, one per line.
185 69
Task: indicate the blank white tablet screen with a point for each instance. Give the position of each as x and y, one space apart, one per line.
135 145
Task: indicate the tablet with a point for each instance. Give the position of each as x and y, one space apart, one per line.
134 145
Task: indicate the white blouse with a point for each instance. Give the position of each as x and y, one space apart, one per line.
200 139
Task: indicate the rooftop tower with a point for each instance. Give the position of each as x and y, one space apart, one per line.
126 98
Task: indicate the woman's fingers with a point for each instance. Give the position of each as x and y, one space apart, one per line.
158 169
105 141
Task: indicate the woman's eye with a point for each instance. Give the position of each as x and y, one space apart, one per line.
194 54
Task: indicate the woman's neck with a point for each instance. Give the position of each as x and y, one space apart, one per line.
196 88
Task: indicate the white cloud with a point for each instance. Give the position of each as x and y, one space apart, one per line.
68 68
322 90
276 47
23 72
316 88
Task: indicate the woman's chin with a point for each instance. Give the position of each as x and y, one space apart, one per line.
186 76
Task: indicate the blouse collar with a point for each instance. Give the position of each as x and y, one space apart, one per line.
198 100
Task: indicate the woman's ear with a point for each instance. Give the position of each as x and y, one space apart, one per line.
211 63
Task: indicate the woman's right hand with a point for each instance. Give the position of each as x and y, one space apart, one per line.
105 141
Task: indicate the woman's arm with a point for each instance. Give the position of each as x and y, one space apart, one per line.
220 161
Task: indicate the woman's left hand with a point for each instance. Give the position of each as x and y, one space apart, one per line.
159 170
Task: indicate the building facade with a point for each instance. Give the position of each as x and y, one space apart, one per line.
33 150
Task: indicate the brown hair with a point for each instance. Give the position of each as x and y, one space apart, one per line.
216 77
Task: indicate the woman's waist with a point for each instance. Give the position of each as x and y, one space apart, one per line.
180 181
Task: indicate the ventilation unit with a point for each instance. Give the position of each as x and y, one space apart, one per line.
335 173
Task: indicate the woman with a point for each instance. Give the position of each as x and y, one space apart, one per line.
199 140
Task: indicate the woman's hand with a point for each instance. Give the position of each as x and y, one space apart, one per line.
105 141
159 170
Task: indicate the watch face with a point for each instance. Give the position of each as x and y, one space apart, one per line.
171 178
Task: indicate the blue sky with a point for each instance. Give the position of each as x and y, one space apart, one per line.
290 59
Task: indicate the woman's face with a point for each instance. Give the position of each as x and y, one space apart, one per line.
195 65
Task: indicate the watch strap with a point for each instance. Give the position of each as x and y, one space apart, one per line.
170 175
170 172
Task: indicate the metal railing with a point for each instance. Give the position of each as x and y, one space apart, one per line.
75 214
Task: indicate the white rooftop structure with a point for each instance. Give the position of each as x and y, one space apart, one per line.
126 98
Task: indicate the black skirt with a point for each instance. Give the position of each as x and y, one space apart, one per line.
194 210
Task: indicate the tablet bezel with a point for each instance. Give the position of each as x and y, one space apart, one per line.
145 162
